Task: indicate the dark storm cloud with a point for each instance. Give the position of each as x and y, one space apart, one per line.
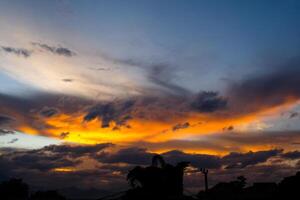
32 160
17 51
75 151
241 160
5 125
63 51
4 120
30 110
291 155
140 156
197 160
18 104
157 108
208 102
135 156
118 112
267 90
53 156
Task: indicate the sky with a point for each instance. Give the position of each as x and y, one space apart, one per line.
92 88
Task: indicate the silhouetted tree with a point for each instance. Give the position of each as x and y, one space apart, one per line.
14 189
225 190
290 186
160 178
47 195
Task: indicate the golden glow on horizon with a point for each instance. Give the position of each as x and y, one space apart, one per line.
63 169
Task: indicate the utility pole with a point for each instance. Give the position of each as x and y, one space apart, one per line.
205 172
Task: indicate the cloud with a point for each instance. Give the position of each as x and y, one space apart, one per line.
291 155
224 142
134 156
270 138
34 111
266 90
67 80
163 110
13 141
163 75
63 135
156 108
75 151
208 102
4 120
38 161
6 132
201 145
48 112
6 123
53 156
17 51
197 160
140 156
62 51
181 126
228 128
160 74
240 160
118 112
293 115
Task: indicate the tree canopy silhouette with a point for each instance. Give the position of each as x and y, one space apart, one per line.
160 178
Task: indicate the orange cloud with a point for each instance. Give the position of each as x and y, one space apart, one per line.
150 130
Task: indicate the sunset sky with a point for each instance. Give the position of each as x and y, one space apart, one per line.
89 89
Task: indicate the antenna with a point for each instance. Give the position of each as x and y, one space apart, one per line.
205 172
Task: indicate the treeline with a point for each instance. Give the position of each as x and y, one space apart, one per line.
16 189
288 188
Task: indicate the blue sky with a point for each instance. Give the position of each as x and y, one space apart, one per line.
207 40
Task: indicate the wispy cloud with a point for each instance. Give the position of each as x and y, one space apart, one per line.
17 51
59 50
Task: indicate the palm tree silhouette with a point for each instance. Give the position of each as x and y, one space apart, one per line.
160 177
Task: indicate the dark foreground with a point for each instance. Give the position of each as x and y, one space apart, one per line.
166 182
